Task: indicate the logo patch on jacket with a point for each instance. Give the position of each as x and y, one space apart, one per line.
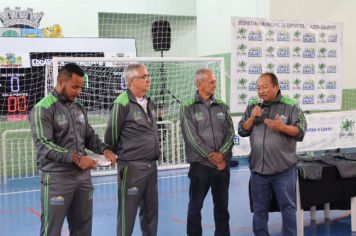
57 200
137 115
220 116
154 113
81 118
283 119
199 116
61 119
132 191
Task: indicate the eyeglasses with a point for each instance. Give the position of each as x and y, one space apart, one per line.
145 77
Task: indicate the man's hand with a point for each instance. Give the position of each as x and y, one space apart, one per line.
85 163
256 112
217 159
276 124
110 156
221 165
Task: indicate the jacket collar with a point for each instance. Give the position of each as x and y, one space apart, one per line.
60 97
276 100
198 98
132 98
279 96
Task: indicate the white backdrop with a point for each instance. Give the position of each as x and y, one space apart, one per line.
22 47
305 56
325 131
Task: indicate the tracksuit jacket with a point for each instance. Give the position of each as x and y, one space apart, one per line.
311 167
206 128
60 128
132 134
273 151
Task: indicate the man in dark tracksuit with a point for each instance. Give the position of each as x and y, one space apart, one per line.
61 132
274 127
208 136
132 132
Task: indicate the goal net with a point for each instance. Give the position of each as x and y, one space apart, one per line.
171 84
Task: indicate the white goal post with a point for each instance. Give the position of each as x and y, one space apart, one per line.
171 84
220 60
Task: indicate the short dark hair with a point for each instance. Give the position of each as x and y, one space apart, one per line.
69 69
272 76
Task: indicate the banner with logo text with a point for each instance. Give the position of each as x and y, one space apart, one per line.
325 131
305 56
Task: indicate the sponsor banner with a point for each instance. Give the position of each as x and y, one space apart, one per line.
45 58
325 131
242 144
305 56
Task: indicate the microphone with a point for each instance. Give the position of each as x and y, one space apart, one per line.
262 117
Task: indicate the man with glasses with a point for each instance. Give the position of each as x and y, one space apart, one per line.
61 132
132 132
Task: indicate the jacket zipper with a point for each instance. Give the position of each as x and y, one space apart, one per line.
263 145
148 110
212 127
75 135
149 114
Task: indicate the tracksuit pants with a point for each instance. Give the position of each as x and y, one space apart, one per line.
137 183
202 178
66 195
283 184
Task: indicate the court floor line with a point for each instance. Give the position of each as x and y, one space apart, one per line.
112 182
33 211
